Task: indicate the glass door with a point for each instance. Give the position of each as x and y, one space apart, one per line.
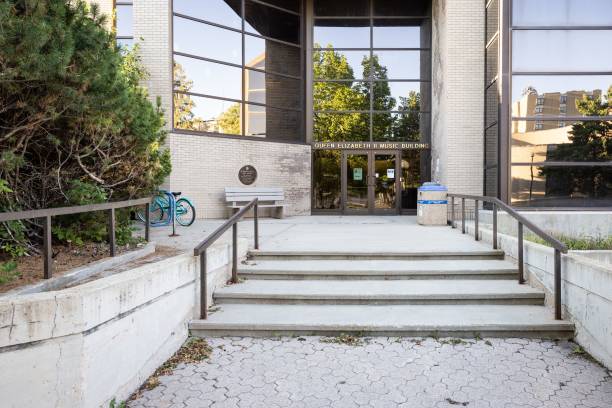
356 191
385 182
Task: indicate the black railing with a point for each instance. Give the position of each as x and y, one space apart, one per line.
557 245
200 250
47 213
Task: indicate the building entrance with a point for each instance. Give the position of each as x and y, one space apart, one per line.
370 182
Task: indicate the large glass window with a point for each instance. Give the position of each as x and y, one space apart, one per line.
561 103
238 68
372 71
124 23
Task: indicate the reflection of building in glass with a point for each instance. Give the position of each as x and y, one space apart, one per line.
255 91
554 104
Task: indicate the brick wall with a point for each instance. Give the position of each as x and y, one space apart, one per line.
203 166
458 100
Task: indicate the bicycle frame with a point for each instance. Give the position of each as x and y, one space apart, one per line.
171 210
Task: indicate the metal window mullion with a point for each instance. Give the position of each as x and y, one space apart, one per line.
563 118
371 75
562 73
199 20
243 76
562 28
216 61
564 164
276 40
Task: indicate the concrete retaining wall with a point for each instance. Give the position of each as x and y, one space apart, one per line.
83 346
586 288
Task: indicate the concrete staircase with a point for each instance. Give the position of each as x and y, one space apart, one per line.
461 294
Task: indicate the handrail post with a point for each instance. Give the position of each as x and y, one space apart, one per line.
494 226
463 215
476 220
203 287
521 274
557 284
452 214
47 251
111 232
256 221
147 222
235 253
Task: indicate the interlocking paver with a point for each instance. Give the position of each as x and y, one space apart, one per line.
384 372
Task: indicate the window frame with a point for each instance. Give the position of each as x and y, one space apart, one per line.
243 101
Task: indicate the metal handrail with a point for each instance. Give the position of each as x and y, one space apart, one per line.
200 250
557 245
47 213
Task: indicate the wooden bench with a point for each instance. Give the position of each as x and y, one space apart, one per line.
238 197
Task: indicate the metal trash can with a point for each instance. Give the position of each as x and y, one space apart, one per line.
432 204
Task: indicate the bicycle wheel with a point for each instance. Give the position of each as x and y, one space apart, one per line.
156 212
185 212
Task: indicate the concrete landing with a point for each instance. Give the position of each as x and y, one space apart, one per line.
380 292
398 320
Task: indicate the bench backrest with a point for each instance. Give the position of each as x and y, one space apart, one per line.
240 194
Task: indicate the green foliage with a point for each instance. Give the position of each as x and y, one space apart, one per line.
577 244
590 141
76 126
8 271
114 404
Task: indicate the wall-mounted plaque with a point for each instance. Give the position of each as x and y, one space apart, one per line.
247 175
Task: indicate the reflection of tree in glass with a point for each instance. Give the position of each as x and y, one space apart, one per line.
184 117
337 96
327 183
349 95
407 125
590 141
229 121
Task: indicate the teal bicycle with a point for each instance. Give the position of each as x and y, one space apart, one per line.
166 206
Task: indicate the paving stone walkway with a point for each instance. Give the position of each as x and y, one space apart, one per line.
385 372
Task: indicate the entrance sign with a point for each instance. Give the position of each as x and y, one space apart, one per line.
358 174
370 145
247 175
391 173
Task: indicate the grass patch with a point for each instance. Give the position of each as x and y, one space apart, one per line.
453 341
579 352
8 272
576 244
346 339
194 350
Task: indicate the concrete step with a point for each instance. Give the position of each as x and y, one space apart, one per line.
390 320
400 255
380 292
334 269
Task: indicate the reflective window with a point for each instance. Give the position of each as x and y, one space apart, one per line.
272 56
399 127
337 127
342 33
562 186
342 8
395 33
125 20
225 12
562 13
202 77
326 189
188 35
270 89
491 104
555 140
561 50
401 8
245 83
410 179
272 22
400 64
491 145
388 77
552 95
210 115
339 64
492 22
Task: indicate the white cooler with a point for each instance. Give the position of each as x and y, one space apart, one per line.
432 204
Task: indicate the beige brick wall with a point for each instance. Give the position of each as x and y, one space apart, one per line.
203 166
458 100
